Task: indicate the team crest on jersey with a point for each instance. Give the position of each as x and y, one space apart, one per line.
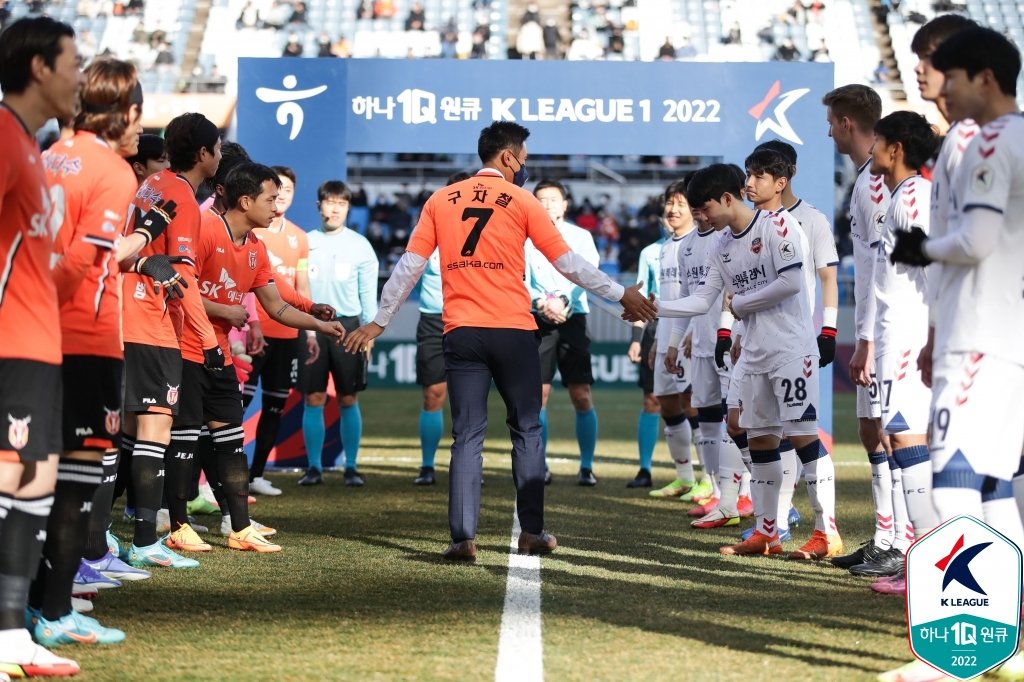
17 432
252 260
786 251
112 422
293 241
982 177
755 246
878 220
172 394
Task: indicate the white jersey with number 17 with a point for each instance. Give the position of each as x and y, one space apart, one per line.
868 205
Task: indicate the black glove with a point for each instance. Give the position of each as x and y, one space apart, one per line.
826 346
909 247
153 223
322 311
213 359
722 346
159 268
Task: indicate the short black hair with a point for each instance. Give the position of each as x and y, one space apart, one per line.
457 177
21 42
246 180
151 148
547 183
498 136
774 163
913 131
712 182
674 188
231 154
977 49
937 31
333 188
185 136
284 171
786 149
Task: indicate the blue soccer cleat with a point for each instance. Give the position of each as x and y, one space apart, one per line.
111 567
90 581
784 536
158 554
794 517
74 628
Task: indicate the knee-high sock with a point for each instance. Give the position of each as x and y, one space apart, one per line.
1000 509
902 528
956 489
730 473
431 428
544 430
765 478
740 440
679 436
1018 489
709 425
233 473
148 481
96 542
313 435
123 481
917 487
881 496
351 433
77 482
586 436
266 430
820 477
208 463
178 461
647 437
21 543
249 390
790 474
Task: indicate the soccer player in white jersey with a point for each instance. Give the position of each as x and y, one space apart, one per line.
759 261
560 309
672 388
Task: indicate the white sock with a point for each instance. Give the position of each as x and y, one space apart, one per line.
820 477
881 496
902 529
790 472
1018 489
999 510
917 487
680 439
765 479
709 449
745 482
730 475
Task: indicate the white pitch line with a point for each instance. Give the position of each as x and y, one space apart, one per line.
520 648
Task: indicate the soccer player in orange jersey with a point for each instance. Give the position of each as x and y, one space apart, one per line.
480 227
231 262
150 157
39 77
152 354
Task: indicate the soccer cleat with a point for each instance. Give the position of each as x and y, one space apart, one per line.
889 562
311 477
163 522
704 507
201 505
794 517
425 477
641 480
74 628
81 605
784 536
745 506
716 518
158 555
249 540
353 478
21 657
702 489
265 531
915 671
819 546
90 581
129 514
1012 670
112 567
206 492
262 486
757 543
185 539
196 526
250 500
896 584
586 478
113 544
676 488
866 552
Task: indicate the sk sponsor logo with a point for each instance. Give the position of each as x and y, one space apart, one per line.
770 112
289 98
963 613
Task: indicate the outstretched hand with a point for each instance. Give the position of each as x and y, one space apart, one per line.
637 308
361 339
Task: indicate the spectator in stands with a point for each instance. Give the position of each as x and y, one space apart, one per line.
786 52
616 44
449 38
417 19
293 48
797 13
820 53
323 45
734 36
532 13
299 14
364 10
583 48
530 40
686 50
277 16
216 82
667 51
383 9
552 40
250 16
341 48
164 56
881 73
480 37
136 6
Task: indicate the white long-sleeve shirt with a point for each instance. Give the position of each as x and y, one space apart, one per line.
868 204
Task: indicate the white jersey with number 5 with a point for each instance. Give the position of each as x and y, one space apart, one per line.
981 307
868 206
900 290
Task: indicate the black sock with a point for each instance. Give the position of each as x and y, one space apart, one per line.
124 469
148 481
208 461
249 390
178 462
21 544
233 473
77 482
102 500
266 430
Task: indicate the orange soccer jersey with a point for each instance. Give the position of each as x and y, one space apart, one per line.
98 185
288 251
479 226
29 219
147 319
227 272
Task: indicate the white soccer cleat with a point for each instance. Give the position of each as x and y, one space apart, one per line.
261 486
265 531
21 657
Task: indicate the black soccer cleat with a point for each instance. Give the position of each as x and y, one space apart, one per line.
426 476
642 479
867 552
888 562
586 477
353 478
311 477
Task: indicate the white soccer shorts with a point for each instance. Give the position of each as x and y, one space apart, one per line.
787 394
671 383
868 405
903 399
710 382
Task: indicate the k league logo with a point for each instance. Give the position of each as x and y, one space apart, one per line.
963 597
770 112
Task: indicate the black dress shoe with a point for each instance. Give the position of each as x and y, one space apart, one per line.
642 480
426 476
547 476
460 551
311 477
888 562
531 543
586 477
866 553
353 478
